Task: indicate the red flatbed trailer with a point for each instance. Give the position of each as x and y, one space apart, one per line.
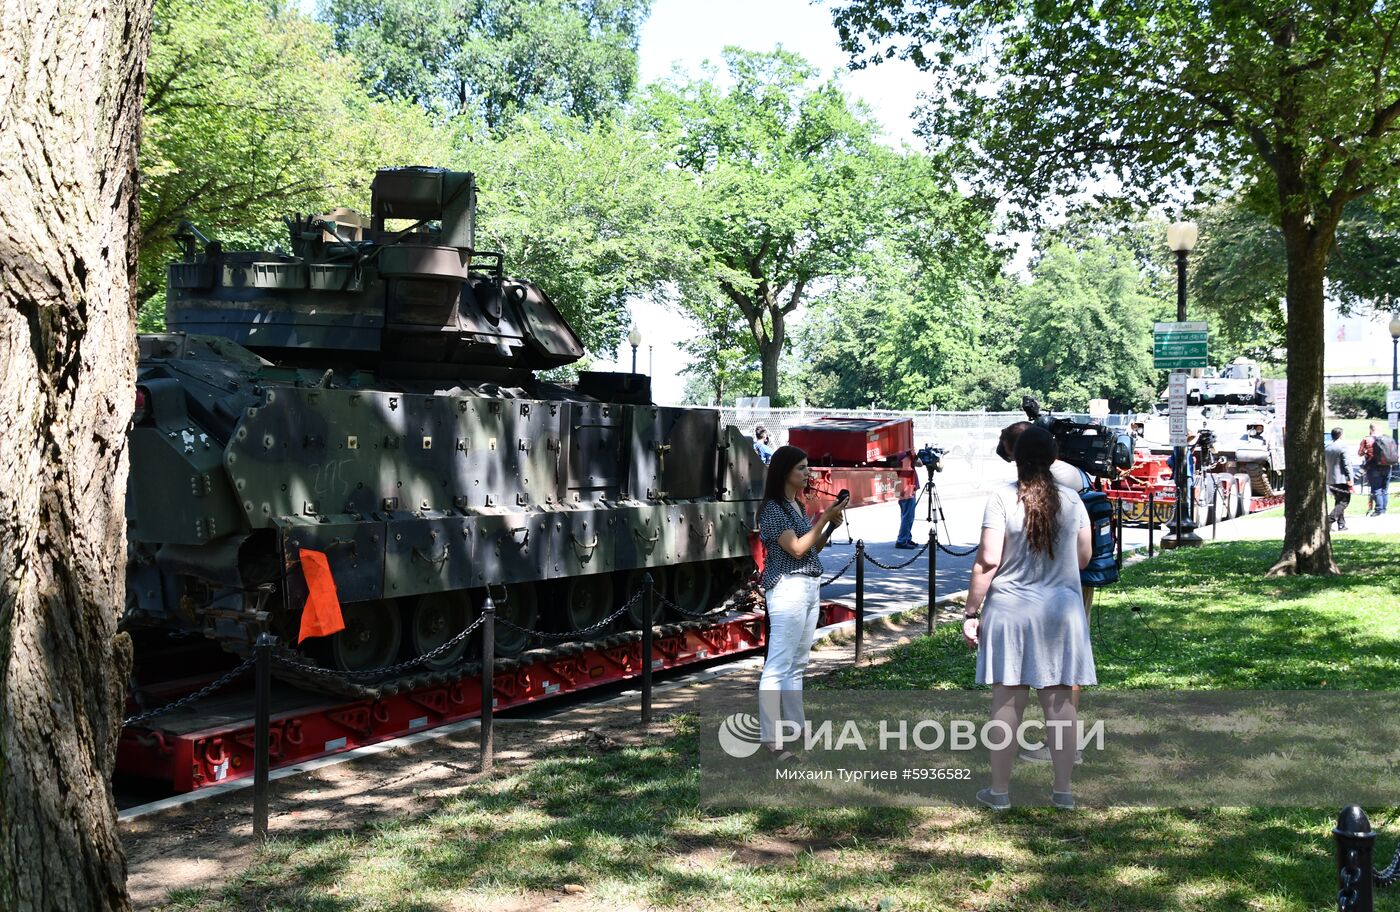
211 740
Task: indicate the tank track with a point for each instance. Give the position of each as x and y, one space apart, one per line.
1259 482
292 667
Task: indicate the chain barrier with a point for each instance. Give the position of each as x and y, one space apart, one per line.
884 566
951 553
1391 873
839 573
1351 877
189 698
571 634
387 669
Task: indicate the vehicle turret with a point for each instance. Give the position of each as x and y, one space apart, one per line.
415 299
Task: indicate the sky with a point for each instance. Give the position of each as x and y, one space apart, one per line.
685 33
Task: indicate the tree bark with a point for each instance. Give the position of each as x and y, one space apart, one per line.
770 350
71 74
1307 547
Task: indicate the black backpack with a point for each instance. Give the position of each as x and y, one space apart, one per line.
1102 569
1383 451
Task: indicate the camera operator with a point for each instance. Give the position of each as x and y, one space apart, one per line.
905 538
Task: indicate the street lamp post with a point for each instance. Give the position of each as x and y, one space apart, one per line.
1181 238
634 338
1395 365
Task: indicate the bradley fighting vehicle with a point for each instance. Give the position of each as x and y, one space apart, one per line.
1236 405
373 395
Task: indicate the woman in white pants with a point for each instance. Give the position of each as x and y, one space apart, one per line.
792 587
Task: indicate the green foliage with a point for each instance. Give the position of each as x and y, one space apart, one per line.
250 115
906 337
587 211
1300 98
493 59
791 189
1357 400
1153 94
1087 328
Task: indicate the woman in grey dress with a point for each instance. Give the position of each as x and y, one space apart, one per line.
1025 612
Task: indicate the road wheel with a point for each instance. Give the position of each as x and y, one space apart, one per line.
437 618
691 587
587 600
371 638
522 608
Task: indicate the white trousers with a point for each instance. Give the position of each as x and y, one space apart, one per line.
793 604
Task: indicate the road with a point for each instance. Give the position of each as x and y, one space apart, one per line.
887 590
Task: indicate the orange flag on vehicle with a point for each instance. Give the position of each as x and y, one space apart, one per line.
321 616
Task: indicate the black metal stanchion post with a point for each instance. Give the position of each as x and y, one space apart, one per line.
1151 518
860 598
932 575
1355 843
262 710
488 683
648 607
1118 531
1215 512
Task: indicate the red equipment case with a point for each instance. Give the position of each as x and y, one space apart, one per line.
853 441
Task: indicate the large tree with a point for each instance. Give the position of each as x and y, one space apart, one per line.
493 59
237 89
70 106
1087 327
588 210
788 186
1300 96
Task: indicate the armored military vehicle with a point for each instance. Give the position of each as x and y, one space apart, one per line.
375 394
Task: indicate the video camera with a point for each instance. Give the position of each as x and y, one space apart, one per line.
931 457
1093 448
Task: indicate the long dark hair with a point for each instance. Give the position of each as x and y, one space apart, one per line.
780 466
1035 451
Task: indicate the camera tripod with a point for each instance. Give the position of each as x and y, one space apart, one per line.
935 515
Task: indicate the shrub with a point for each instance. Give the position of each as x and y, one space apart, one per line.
1357 400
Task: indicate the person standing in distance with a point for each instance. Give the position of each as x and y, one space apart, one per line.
1338 475
905 537
792 588
1035 540
762 443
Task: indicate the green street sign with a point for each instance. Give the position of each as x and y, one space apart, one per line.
1179 345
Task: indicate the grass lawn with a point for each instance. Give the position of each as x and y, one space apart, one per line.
624 824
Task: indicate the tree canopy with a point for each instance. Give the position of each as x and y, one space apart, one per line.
1164 97
494 59
250 115
791 189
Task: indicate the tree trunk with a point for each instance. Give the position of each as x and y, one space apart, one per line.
71 74
1307 547
770 351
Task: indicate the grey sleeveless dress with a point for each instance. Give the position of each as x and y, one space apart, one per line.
1034 630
